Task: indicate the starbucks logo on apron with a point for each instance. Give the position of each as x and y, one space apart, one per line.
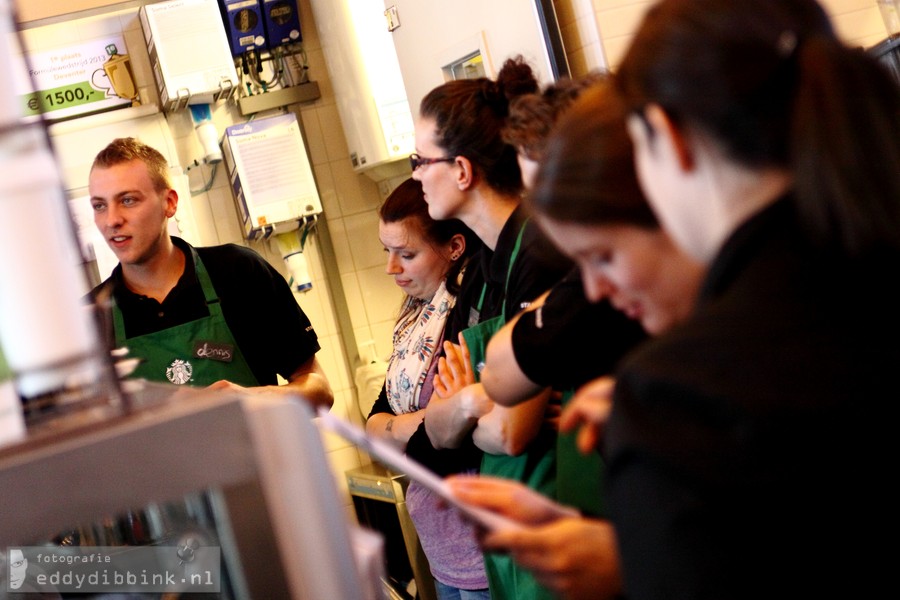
179 372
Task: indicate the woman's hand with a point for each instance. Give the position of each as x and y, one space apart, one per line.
474 402
448 420
507 497
589 409
574 556
510 429
454 370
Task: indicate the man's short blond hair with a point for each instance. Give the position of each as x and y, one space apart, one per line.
122 150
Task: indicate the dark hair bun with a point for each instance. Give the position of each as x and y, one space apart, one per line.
515 79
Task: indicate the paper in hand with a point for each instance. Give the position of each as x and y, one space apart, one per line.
401 463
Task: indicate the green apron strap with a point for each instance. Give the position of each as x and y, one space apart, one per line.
535 467
478 333
473 314
209 294
512 261
118 321
481 298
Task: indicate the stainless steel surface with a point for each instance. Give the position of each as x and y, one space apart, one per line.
102 465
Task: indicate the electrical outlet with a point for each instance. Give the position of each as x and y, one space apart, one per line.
393 18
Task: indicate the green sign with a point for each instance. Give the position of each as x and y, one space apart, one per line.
63 97
69 81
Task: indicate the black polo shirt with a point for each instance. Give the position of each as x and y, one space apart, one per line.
272 331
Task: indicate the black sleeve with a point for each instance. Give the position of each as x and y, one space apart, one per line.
381 405
270 328
549 341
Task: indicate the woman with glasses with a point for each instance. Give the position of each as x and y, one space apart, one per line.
470 173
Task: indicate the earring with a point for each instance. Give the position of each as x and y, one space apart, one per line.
454 257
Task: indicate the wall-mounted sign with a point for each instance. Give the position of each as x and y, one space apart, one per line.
71 81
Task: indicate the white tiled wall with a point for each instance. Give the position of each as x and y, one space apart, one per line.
581 37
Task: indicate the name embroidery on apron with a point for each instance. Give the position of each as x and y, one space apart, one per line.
213 351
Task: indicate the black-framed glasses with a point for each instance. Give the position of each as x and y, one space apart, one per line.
416 161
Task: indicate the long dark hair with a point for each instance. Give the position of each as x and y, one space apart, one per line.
407 201
587 175
770 81
470 115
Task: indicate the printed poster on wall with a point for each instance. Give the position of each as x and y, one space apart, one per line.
72 81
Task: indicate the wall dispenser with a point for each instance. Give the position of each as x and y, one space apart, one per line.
243 20
291 246
359 52
201 115
189 52
271 176
282 22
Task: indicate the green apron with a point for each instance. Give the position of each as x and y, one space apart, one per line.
198 353
560 472
579 477
478 333
536 467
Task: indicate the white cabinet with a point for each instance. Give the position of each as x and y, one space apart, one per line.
364 70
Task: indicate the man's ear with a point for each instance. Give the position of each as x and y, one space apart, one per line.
465 173
669 133
171 202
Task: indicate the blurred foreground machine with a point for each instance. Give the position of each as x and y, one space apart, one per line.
188 471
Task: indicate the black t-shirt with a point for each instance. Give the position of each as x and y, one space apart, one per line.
538 266
569 340
272 331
